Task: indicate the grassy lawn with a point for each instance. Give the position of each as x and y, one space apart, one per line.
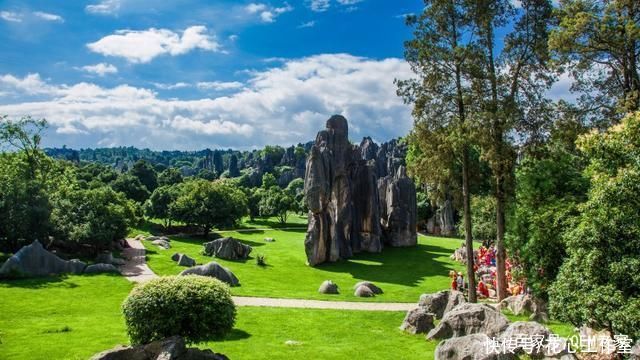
403 273
562 329
61 317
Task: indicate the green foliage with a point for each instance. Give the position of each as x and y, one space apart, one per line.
169 176
269 181
160 203
295 190
234 171
261 260
483 213
207 174
209 204
195 307
131 187
599 283
424 210
93 217
276 202
145 172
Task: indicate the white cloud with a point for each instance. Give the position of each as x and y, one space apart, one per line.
10 16
285 104
143 46
100 69
48 16
319 5
178 85
349 2
104 7
219 85
267 13
308 24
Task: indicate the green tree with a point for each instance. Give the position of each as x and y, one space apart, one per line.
160 203
599 283
234 171
276 202
598 42
295 190
169 176
210 204
269 181
145 172
131 187
24 135
207 174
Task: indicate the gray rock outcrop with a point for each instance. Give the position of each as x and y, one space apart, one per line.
213 269
469 318
163 244
364 291
519 304
441 302
418 321
227 248
172 348
184 260
101 268
374 289
35 260
342 191
328 287
468 347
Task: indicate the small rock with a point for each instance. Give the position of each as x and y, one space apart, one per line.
185 260
172 348
227 248
469 318
176 256
292 343
418 321
269 239
213 269
163 244
328 287
374 289
100 268
363 291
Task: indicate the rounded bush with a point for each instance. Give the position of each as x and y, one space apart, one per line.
195 307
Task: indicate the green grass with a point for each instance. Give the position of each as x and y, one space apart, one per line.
61 317
403 273
562 329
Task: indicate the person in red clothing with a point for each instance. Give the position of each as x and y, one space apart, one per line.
482 289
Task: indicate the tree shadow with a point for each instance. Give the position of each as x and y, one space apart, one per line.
237 334
39 282
401 266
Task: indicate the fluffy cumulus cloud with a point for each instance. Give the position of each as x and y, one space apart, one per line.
143 46
267 13
283 105
100 69
319 5
104 7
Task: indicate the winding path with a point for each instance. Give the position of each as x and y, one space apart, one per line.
136 270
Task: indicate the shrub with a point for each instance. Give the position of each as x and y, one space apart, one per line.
195 307
261 260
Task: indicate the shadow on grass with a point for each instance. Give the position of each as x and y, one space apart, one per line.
39 282
401 266
237 334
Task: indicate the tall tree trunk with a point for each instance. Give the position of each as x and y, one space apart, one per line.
501 279
468 238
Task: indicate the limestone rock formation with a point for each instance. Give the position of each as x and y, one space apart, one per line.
441 302
418 321
227 248
213 269
100 268
328 287
468 347
469 318
172 348
35 260
519 304
342 189
184 260
374 289
364 291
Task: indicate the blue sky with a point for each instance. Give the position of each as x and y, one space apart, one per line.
193 74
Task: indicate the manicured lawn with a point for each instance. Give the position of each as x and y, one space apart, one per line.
403 273
61 317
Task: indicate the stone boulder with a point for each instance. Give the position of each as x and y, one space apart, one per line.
398 209
364 291
175 256
100 268
213 269
468 347
527 329
163 244
469 318
519 304
227 248
35 260
418 321
185 260
374 289
635 351
441 302
105 257
172 348
328 287
269 239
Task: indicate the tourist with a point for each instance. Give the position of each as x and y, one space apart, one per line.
454 283
460 281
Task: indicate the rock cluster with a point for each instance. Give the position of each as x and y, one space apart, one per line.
172 348
227 248
213 269
359 197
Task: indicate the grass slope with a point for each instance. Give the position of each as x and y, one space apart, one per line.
403 273
61 317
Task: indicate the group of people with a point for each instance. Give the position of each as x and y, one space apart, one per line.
484 267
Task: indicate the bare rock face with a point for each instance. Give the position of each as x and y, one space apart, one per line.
519 304
328 287
172 348
227 248
374 289
441 302
100 268
468 347
469 318
213 269
398 209
418 321
343 196
35 260
364 291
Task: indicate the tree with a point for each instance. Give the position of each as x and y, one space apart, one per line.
269 181
295 190
209 204
169 176
440 55
276 202
94 217
599 283
160 203
509 86
24 135
143 170
599 43
131 187
206 174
